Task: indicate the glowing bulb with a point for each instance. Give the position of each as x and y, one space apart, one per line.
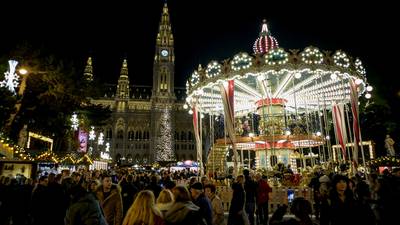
368 96
185 106
202 115
358 81
23 71
327 137
333 76
251 134
297 75
287 132
318 133
190 112
370 88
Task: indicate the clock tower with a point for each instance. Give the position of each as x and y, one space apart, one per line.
163 95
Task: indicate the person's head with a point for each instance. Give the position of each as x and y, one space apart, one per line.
246 172
240 179
52 177
209 190
143 209
196 189
106 182
181 194
165 196
93 185
43 180
301 207
279 213
340 183
129 178
76 177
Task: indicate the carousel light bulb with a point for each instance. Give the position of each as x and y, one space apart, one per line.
370 88
358 81
297 75
318 133
327 137
368 96
333 76
287 132
202 116
185 106
190 112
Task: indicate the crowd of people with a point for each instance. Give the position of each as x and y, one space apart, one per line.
130 197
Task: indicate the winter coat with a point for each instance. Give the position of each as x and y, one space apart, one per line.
164 207
85 211
263 191
183 213
237 205
112 205
205 207
218 211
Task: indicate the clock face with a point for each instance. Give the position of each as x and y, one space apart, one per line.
164 52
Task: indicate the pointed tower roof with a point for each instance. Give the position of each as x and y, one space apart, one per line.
164 36
124 68
88 72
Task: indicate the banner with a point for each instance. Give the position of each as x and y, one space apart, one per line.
356 127
83 140
227 93
340 126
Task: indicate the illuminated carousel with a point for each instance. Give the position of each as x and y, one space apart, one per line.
277 103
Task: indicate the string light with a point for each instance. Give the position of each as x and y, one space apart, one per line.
277 57
213 69
340 59
241 61
312 55
92 134
75 121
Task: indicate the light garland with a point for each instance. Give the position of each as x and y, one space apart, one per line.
359 67
312 55
241 61
100 140
277 57
213 69
164 142
11 78
195 78
340 59
92 134
74 121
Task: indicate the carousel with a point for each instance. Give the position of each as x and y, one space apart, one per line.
276 104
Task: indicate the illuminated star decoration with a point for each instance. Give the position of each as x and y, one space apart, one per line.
75 121
11 78
92 134
100 141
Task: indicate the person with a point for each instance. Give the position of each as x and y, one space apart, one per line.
263 192
201 201
128 192
250 188
236 210
216 205
301 209
183 211
143 211
110 199
84 209
277 217
40 202
165 201
389 142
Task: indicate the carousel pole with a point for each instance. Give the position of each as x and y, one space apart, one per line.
351 137
345 110
303 160
321 131
328 142
308 130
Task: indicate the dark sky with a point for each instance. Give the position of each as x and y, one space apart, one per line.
205 30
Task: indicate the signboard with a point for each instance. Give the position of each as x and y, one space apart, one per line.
83 140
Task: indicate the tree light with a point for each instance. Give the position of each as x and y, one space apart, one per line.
23 71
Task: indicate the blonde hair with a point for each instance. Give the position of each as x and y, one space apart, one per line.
165 196
143 210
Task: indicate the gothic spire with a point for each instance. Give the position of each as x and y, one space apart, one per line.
164 36
123 82
88 72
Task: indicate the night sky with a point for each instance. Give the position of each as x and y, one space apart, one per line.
204 31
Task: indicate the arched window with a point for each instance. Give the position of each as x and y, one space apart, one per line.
183 136
136 135
177 135
190 136
140 135
176 147
131 135
109 133
120 134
